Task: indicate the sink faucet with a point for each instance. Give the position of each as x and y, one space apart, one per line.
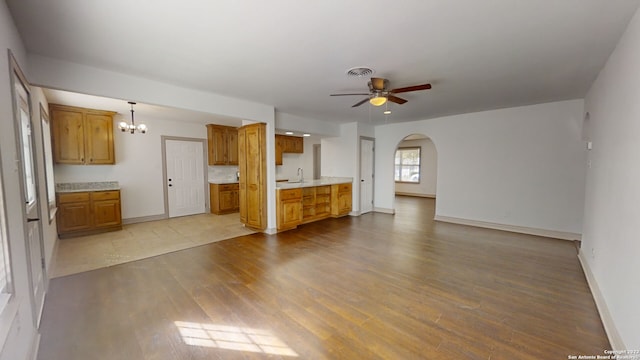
300 174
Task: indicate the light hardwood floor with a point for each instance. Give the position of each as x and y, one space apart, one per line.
377 286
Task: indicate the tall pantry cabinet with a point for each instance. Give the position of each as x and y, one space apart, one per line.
252 152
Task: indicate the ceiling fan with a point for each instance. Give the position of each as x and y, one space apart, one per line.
379 92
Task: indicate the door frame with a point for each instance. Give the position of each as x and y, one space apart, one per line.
17 76
205 172
373 172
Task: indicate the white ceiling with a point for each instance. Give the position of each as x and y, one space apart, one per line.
292 54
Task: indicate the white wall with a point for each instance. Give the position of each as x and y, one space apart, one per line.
520 166
428 169
340 158
291 162
611 245
138 166
16 321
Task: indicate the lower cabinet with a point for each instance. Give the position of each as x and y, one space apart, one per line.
85 213
289 210
316 203
303 205
340 199
224 198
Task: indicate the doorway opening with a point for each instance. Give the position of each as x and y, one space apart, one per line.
416 167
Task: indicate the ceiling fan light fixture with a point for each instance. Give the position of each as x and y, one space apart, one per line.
378 100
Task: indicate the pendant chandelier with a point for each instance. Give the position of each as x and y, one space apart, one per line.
132 128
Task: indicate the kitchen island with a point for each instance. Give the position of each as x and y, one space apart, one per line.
306 201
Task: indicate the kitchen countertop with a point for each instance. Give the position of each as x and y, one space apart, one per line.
87 186
311 183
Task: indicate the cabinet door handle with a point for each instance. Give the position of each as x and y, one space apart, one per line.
32 219
170 185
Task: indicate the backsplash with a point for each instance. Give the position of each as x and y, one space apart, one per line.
222 173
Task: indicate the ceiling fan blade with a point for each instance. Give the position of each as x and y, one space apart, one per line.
396 99
348 94
378 83
361 102
411 88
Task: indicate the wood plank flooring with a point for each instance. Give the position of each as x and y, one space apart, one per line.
377 286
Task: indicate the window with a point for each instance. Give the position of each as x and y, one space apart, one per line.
27 150
48 163
408 165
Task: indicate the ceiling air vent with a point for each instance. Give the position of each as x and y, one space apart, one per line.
360 72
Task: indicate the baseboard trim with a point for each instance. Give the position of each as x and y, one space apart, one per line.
512 228
401 193
605 316
384 210
140 219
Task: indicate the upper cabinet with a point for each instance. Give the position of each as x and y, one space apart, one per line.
288 144
223 145
82 136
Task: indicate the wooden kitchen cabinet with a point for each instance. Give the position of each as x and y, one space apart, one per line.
340 199
279 149
293 144
81 136
222 145
289 208
252 152
288 144
106 209
84 213
316 203
74 212
303 205
224 198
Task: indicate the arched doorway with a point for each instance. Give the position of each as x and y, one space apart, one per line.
416 166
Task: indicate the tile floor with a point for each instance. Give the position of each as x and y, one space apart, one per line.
143 240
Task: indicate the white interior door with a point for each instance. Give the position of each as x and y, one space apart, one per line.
185 177
28 174
366 175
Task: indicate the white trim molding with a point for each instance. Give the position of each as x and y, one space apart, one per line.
512 228
431 196
384 210
607 321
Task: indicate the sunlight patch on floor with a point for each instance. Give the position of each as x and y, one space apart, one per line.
233 338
